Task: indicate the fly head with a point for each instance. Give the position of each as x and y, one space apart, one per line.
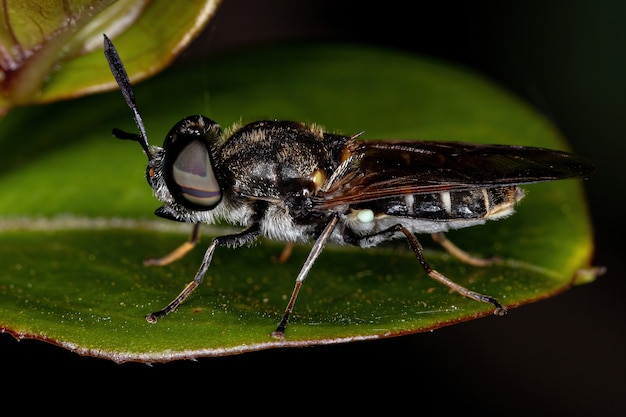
182 172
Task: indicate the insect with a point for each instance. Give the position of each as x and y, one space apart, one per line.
296 183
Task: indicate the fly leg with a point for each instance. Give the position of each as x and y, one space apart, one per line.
370 240
460 254
437 276
279 333
232 241
179 252
286 253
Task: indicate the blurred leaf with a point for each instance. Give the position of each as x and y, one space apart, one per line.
38 38
77 213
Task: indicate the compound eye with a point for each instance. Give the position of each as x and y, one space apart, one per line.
193 182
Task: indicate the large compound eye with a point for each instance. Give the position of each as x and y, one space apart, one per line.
189 173
193 173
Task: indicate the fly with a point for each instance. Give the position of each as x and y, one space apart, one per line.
293 182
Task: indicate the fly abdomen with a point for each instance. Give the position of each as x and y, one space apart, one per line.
480 203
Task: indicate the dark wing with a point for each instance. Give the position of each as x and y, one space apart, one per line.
380 169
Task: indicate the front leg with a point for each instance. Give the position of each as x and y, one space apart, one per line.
179 252
234 241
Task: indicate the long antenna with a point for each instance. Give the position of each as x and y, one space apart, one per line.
121 76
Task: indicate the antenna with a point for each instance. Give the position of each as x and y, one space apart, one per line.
119 72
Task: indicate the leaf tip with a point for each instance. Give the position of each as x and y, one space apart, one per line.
588 275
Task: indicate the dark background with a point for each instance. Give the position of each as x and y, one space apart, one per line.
561 356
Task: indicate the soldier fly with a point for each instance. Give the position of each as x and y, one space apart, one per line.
293 182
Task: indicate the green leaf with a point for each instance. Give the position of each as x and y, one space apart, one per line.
38 38
77 213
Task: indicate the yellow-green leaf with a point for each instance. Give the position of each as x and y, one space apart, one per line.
53 50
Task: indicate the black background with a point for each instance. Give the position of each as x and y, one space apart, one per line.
561 356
